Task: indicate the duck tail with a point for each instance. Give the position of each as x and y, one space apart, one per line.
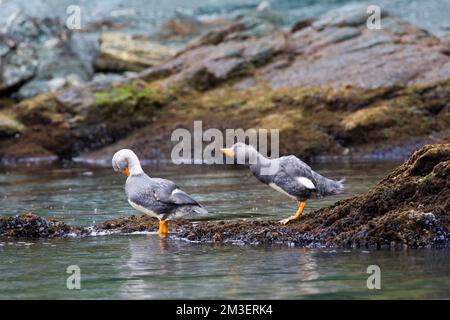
338 185
200 210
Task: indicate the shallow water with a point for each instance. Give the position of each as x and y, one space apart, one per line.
142 266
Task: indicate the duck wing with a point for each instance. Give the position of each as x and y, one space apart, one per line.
298 170
294 177
310 179
168 192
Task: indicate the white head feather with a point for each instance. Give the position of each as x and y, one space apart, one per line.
127 159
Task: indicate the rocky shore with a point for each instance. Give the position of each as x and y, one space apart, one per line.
322 83
408 208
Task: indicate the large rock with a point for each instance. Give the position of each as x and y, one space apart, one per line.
222 54
123 52
40 55
18 62
336 50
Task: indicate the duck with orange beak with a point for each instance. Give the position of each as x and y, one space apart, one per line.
289 175
156 197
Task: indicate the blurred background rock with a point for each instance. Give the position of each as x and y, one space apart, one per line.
376 93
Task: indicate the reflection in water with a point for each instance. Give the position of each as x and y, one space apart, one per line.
307 271
234 281
144 267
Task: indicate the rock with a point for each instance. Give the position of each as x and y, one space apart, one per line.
338 35
215 72
241 28
42 56
33 226
336 50
181 26
348 15
122 52
9 126
18 63
384 123
301 24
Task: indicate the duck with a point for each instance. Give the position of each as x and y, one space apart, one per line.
288 175
159 198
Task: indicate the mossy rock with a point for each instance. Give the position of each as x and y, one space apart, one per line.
136 99
428 160
42 109
9 126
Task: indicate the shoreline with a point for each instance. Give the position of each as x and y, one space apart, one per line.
103 162
244 232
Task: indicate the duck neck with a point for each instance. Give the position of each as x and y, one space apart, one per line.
261 162
135 167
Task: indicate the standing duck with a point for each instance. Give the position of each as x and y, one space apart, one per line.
156 197
288 175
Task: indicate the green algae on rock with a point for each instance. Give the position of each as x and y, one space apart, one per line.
81 119
9 126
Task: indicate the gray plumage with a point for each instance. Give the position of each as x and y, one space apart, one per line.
290 175
161 197
154 196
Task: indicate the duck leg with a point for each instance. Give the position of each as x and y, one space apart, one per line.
163 228
301 207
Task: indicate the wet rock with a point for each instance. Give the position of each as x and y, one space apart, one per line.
30 225
122 52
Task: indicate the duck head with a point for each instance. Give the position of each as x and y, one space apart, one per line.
242 153
127 162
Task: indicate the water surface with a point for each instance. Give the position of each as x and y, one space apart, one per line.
141 266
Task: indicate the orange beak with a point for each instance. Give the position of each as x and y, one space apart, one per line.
126 172
228 152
